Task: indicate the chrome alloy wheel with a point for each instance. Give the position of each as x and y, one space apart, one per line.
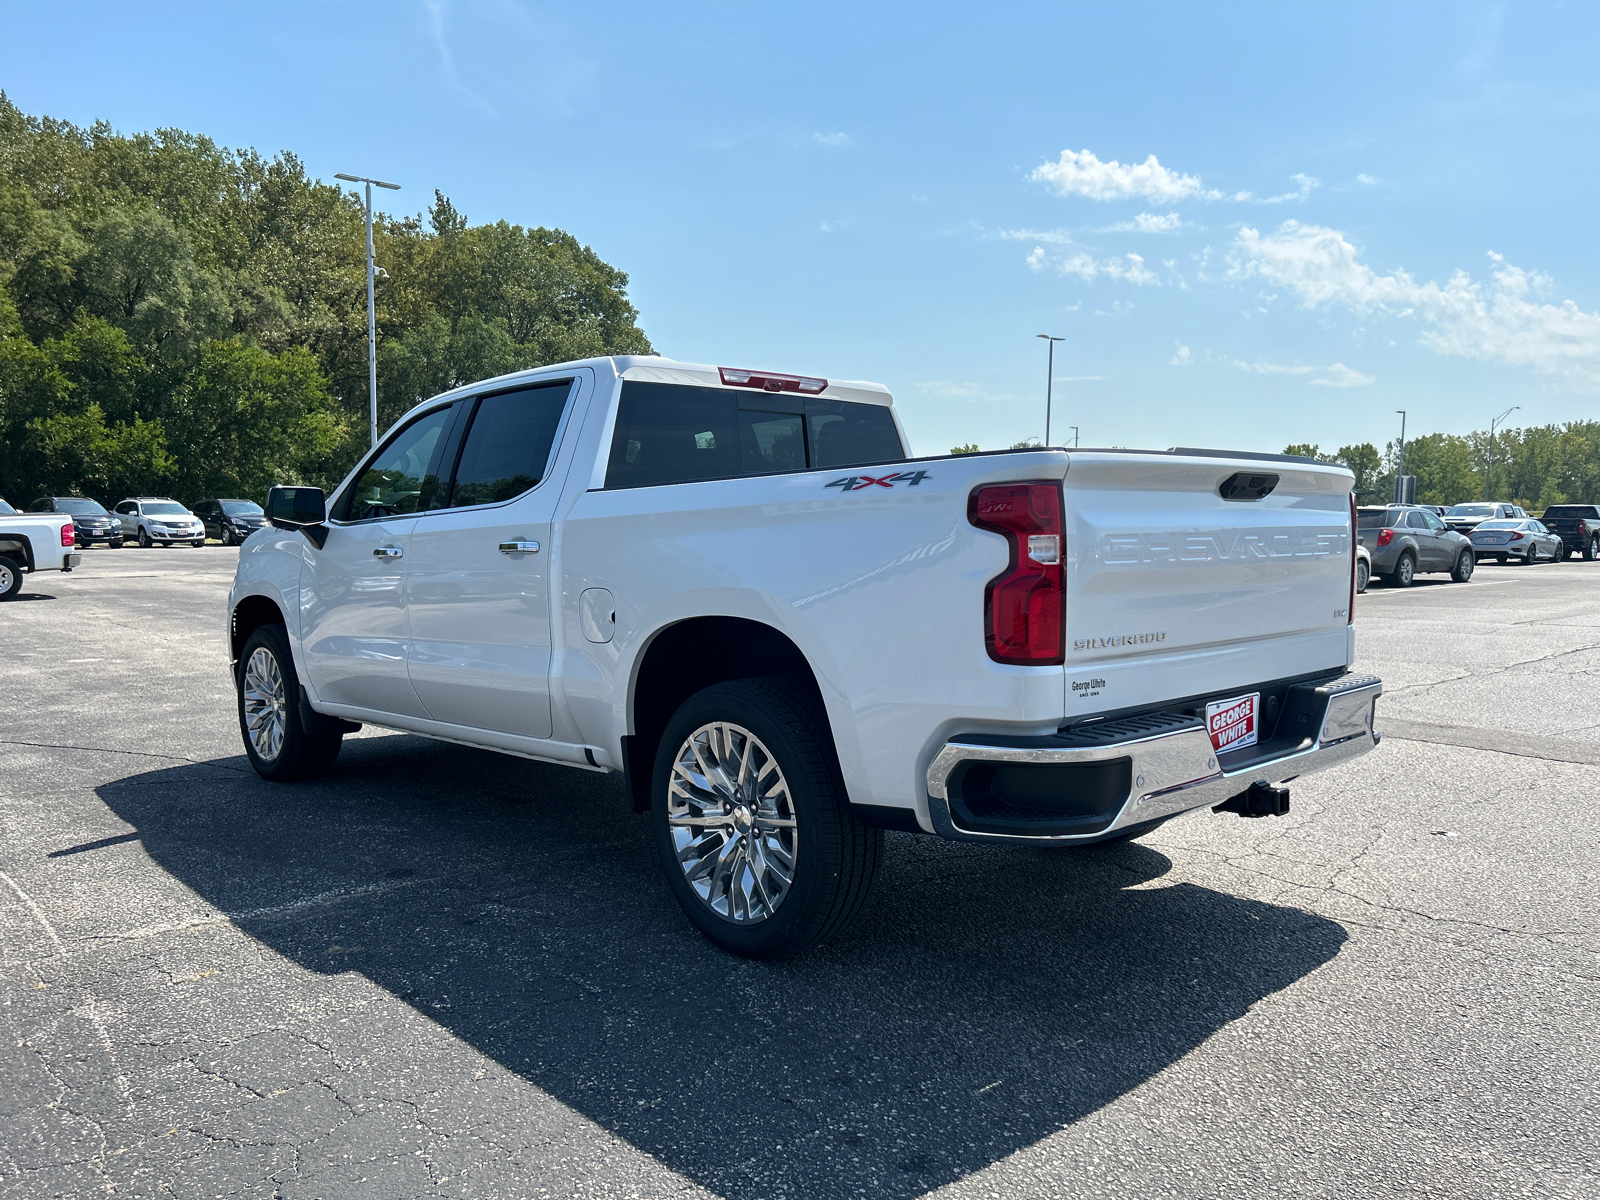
8 576
265 710
732 822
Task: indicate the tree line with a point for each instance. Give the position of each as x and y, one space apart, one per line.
180 318
1535 467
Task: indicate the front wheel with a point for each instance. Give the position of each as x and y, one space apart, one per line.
115 545
275 738
144 538
1463 568
1404 571
1363 575
755 831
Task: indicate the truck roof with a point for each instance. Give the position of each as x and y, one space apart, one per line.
656 369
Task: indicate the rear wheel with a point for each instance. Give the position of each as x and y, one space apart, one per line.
1592 550
1363 574
1404 571
756 834
275 738
1463 568
10 577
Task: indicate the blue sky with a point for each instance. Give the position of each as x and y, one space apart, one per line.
1349 209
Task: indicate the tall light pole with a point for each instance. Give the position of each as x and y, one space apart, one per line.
1488 482
372 314
1400 473
1074 429
1049 379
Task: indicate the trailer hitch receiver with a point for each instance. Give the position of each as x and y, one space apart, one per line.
1261 800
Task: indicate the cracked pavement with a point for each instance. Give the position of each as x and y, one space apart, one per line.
443 972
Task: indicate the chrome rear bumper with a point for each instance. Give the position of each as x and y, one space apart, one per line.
1173 769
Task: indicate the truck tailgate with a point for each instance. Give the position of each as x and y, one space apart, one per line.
1174 591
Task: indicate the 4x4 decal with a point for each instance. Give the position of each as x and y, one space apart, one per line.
854 483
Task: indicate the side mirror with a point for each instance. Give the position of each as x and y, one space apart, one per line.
302 508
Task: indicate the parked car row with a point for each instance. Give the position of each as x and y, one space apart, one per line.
155 520
1401 541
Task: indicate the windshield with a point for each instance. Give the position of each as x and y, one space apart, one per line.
164 508
241 508
6 509
1473 510
1501 525
80 508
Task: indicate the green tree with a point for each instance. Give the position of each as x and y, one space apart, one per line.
1365 463
965 448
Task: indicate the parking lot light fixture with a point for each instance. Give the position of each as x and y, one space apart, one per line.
372 317
1049 379
1488 475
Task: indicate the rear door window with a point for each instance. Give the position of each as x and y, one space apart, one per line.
507 446
673 433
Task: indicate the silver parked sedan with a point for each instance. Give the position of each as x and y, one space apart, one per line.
1516 541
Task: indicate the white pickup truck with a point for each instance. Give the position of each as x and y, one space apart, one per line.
33 542
737 588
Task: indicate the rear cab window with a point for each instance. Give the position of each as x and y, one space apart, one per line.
681 433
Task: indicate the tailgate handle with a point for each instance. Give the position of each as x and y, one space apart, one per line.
1247 485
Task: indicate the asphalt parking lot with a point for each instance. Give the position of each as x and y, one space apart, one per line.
442 972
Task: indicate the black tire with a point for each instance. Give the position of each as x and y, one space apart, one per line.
836 857
300 755
1363 575
1501 559
144 538
198 544
1465 563
115 545
1405 571
10 577
227 537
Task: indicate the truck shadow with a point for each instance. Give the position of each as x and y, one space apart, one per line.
987 998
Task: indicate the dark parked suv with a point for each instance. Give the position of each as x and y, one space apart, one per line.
1404 539
1578 527
230 521
90 521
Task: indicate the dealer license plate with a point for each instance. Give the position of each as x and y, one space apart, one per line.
1234 724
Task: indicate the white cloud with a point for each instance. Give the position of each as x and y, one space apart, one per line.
832 139
1340 376
1089 269
1082 174
1306 184
1333 375
1036 259
1148 223
1366 180
1183 357
1500 321
1050 237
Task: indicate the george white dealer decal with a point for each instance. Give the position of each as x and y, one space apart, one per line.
1223 546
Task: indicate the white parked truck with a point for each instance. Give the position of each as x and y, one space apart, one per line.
737 588
32 542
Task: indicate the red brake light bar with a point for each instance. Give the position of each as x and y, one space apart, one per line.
769 381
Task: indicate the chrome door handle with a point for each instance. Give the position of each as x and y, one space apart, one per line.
519 547
387 552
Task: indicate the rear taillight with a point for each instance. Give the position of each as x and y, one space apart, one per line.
1385 536
771 381
1583 527
1022 606
1351 618
66 535
1516 537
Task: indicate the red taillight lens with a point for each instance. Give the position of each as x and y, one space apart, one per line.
1385 536
1022 606
1516 537
771 381
66 535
